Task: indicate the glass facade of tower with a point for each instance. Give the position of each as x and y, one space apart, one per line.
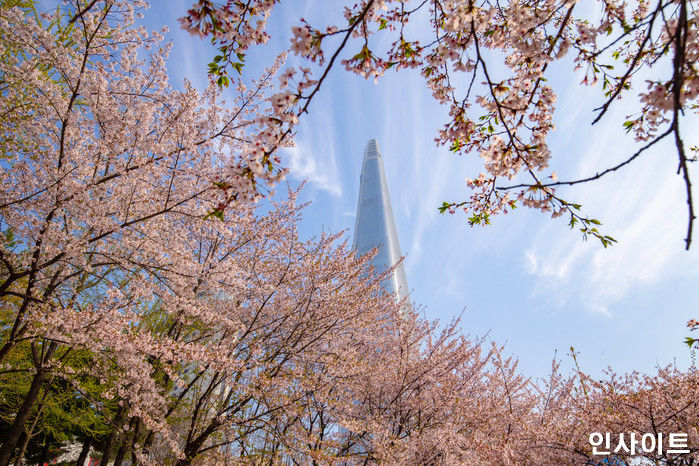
375 225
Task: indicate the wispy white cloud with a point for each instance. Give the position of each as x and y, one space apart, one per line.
643 210
600 309
531 264
314 156
318 167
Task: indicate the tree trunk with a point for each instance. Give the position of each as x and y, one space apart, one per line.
28 434
44 457
109 443
24 441
192 448
134 440
84 452
12 436
119 458
125 443
147 442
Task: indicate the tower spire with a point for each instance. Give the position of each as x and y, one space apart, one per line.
375 225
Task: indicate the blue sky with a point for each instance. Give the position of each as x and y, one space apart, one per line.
527 281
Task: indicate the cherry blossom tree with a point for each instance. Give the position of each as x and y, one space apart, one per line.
143 288
99 155
504 117
570 409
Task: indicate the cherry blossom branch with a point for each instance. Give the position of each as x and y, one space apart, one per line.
631 68
678 82
80 13
598 175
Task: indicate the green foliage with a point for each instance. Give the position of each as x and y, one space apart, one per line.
364 54
588 226
219 65
216 213
444 207
64 412
480 218
25 4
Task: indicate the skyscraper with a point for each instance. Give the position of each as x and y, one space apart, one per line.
375 226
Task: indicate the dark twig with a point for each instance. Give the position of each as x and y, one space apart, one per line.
79 14
677 83
598 175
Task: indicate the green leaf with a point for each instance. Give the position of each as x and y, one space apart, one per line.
407 49
238 67
222 185
218 213
223 81
363 54
480 218
383 25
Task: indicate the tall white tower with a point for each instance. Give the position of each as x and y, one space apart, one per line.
375 226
